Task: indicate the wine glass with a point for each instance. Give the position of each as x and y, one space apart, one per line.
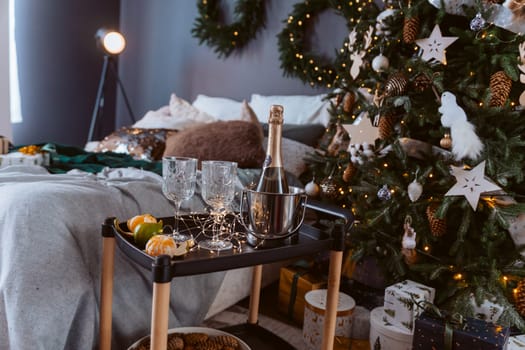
218 190
179 176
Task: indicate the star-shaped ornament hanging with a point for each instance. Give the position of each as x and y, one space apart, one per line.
362 132
434 46
471 184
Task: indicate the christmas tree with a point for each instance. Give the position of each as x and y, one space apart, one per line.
427 147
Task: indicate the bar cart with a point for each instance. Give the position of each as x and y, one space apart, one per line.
309 240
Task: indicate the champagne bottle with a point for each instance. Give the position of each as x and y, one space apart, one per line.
273 177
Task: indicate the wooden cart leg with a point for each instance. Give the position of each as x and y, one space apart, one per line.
106 292
255 294
159 315
334 273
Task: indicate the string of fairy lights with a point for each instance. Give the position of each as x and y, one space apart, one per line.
297 60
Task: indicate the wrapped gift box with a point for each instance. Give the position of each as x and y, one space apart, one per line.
314 318
18 158
343 343
384 335
4 145
401 302
516 342
294 283
429 333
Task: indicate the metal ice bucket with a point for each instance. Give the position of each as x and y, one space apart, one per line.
272 216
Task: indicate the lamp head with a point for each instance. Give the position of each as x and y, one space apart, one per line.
111 41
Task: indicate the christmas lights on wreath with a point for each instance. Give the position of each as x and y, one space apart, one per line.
250 17
296 58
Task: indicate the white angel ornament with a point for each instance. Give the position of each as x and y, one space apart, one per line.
465 142
408 243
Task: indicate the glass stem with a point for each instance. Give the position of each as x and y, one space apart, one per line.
177 209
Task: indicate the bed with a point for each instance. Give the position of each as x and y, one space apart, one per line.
50 217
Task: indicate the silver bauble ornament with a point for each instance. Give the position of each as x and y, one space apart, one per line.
380 63
415 189
312 189
328 188
384 193
477 23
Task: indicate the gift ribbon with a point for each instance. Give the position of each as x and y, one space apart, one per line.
302 264
452 321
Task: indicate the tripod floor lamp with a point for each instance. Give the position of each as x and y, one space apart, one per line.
112 44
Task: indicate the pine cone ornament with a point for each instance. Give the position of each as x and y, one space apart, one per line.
349 172
348 102
396 85
386 125
338 99
438 227
421 82
520 297
500 85
410 29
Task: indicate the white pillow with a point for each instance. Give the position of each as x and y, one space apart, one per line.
220 107
178 115
298 109
293 154
226 109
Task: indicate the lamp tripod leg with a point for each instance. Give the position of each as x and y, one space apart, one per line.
99 99
121 86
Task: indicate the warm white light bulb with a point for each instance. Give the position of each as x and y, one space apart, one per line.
114 43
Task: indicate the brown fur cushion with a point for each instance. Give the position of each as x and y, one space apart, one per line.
235 141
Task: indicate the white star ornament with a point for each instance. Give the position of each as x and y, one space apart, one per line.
364 132
434 46
471 184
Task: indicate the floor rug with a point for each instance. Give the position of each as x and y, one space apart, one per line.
239 315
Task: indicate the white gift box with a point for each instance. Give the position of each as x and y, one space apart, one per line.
516 342
18 158
401 303
314 312
384 335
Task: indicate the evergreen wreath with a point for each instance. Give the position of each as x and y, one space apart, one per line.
296 59
250 17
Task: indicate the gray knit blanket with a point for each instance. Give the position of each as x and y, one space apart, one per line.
50 260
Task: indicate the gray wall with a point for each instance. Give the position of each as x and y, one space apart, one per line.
163 57
59 67
60 64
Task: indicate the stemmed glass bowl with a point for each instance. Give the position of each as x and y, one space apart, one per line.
179 175
218 190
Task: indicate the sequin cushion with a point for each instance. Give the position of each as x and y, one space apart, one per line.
141 144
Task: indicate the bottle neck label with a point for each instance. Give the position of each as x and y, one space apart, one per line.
273 151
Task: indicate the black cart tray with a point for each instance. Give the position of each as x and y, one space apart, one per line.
309 240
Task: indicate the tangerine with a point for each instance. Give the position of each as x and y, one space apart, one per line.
139 219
